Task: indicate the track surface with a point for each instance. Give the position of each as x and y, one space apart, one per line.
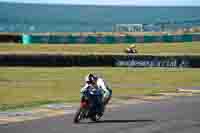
177 115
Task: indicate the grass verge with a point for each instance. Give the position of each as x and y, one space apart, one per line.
155 48
26 87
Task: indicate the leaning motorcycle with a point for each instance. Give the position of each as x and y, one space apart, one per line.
91 106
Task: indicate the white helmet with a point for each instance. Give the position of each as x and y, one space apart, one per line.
90 78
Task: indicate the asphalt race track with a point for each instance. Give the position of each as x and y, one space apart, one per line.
177 115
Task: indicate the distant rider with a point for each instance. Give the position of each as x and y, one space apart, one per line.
98 83
131 49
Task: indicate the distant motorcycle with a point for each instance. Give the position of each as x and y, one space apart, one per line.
90 107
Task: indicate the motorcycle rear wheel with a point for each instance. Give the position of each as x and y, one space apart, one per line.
95 118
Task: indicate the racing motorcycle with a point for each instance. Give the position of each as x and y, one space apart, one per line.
91 106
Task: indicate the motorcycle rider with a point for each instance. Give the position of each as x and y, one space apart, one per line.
98 83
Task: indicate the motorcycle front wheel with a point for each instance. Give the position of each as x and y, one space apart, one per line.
78 115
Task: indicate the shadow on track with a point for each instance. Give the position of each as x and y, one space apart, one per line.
124 121
119 121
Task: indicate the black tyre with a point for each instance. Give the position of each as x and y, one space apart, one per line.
78 115
95 118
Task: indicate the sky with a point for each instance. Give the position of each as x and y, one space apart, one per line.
117 2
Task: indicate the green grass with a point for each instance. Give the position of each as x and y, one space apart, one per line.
155 48
27 87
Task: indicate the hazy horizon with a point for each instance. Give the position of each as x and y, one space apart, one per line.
195 3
